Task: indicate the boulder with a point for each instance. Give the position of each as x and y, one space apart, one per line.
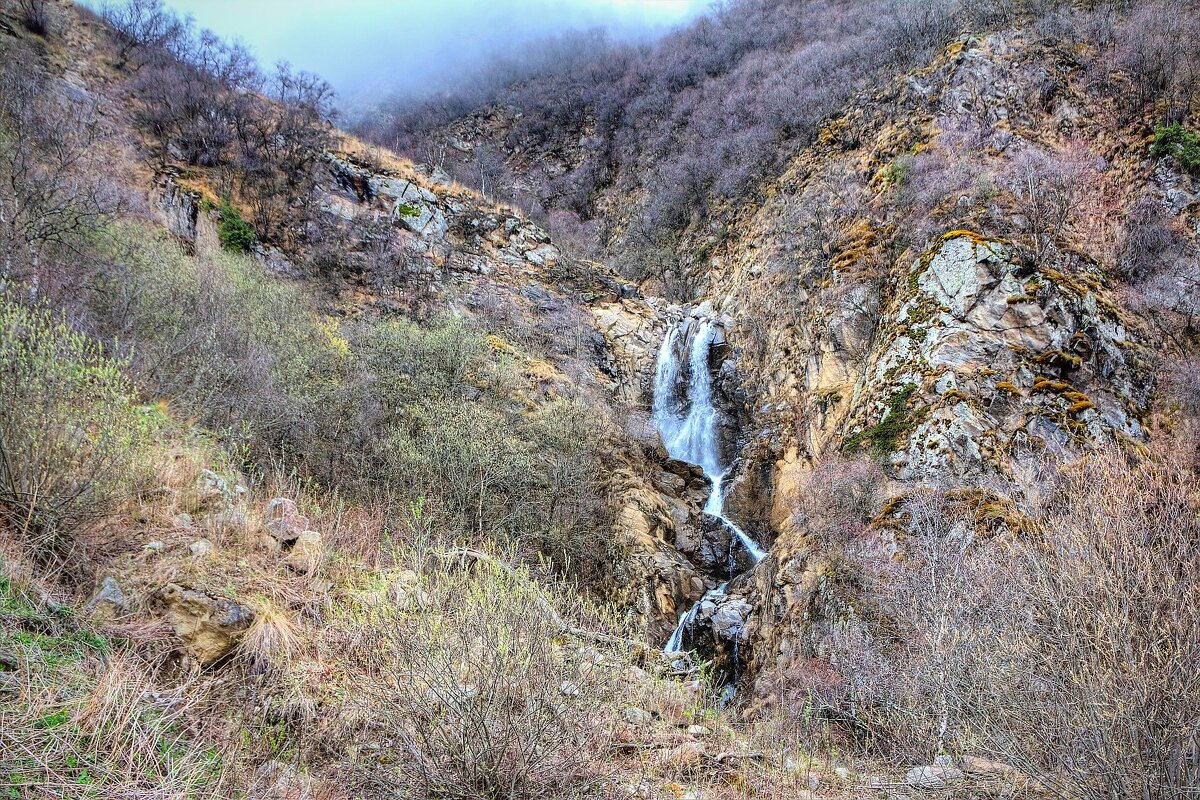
306 553
637 716
200 548
284 521
209 627
933 776
108 599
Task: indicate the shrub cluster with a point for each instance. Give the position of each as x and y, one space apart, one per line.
206 101
468 676
391 408
70 434
1057 645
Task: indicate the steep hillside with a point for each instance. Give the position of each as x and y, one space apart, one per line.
958 261
823 425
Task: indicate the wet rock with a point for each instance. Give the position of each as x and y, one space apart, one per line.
632 333
209 627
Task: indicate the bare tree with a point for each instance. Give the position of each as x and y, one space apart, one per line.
281 139
144 25
1045 187
54 188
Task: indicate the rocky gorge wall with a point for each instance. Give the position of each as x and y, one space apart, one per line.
972 364
962 364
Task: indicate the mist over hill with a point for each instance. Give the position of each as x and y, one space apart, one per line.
371 49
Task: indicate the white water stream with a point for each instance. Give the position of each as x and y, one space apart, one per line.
689 432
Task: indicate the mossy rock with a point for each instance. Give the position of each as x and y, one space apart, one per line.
883 438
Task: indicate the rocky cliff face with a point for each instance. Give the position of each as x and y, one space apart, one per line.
970 363
947 353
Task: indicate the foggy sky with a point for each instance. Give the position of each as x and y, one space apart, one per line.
371 48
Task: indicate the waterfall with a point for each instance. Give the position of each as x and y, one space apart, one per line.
687 423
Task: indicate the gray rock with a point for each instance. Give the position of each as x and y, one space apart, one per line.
932 777
201 548
729 619
637 716
284 521
108 598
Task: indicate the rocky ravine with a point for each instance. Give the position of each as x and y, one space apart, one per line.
970 367
980 369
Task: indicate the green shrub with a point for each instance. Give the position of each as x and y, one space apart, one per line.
237 349
1179 142
414 363
883 438
235 233
70 434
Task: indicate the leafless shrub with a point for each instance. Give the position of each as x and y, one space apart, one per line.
1045 189
838 499
35 15
1065 649
1156 50
1150 245
57 189
1091 684
918 28
464 678
939 604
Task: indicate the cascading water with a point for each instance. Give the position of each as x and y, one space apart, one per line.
687 423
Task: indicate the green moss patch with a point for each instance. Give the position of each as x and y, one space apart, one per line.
883 438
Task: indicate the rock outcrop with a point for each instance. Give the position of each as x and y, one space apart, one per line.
986 364
209 627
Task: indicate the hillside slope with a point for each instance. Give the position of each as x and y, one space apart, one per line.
329 476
